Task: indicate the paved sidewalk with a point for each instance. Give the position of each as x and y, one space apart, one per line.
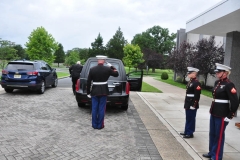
168 107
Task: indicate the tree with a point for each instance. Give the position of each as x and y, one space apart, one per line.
114 47
156 39
41 45
152 59
83 54
208 53
72 58
59 54
7 52
132 55
21 53
97 47
181 58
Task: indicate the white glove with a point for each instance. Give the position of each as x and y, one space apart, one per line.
108 64
89 96
192 108
227 119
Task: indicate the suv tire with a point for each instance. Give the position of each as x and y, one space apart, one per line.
8 90
42 88
55 83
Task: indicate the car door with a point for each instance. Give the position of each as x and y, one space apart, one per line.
46 69
134 78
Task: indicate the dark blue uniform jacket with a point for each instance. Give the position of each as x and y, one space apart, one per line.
99 73
193 92
224 90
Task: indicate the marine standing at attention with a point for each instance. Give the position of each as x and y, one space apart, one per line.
224 105
191 104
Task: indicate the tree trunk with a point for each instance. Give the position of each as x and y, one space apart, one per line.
153 70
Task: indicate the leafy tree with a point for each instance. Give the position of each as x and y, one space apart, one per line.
114 47
181 58
72 58
83 54
7 52
156 39
41 45
152 59
59 54
208 53
21 53
97 47
132 55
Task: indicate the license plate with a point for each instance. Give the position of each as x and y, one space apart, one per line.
17 76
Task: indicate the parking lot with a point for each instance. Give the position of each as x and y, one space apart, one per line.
52 126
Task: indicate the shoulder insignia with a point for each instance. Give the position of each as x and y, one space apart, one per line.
198 88
233 90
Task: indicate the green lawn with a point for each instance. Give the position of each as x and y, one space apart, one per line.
157 76
62 74
148 88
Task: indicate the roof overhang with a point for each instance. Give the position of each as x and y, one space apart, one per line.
219 20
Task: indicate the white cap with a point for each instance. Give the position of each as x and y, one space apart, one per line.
101 57
191 69
221 67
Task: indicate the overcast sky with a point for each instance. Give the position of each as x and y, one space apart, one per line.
77 23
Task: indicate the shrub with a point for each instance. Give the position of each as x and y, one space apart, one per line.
164 76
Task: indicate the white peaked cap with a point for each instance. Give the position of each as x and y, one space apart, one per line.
222 67
191 69
101 57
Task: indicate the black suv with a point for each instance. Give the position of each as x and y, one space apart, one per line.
119 87
24 74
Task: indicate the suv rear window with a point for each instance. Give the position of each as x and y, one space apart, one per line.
20 66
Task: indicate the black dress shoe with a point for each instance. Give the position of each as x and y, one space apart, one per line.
188 136
206 155
183 134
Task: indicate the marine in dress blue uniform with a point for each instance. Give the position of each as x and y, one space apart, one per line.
97 89
191 104
225 104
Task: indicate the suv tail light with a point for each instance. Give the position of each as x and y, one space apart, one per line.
32 73
127 88
77 86
4 72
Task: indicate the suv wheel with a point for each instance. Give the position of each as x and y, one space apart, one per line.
125 107
42 89
81 105
8 90
55 83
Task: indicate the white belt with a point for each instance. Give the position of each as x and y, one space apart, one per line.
99 83
221 101
190 95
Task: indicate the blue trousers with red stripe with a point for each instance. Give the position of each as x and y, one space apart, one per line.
190 121
217 137
98 111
